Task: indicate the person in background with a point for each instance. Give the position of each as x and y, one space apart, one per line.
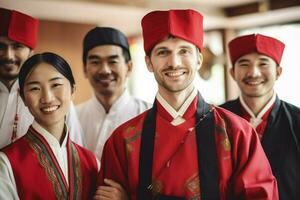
255 68
107 65
45 163
18 38
184 148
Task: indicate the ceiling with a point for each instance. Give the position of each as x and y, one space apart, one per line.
127 14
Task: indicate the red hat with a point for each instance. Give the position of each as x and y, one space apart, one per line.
256 43
18 27
185 24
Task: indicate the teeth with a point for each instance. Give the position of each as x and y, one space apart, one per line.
173 74
50 109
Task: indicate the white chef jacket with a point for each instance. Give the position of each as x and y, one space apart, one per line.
99 125
8 105
8 189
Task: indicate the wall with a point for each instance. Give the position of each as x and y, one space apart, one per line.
65 39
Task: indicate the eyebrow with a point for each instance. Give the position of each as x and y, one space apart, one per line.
37 82
243 60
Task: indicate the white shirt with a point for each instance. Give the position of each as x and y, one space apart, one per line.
8 106
256 120
177 115
99 125
8 189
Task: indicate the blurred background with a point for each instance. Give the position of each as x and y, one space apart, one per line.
63 24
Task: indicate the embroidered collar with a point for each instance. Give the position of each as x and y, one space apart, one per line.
182 109
256 120
51 140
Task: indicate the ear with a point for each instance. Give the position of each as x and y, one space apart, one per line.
199 60
129 67
278 71
85 70
231 72
149 63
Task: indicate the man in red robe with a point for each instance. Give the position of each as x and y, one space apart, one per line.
256 67
184 148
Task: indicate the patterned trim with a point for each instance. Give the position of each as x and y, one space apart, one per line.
193 184
77 173
47 163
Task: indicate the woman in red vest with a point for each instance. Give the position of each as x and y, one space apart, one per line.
45 163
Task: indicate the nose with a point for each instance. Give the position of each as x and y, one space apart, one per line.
8 53
104 68
174 60
47 96
254 71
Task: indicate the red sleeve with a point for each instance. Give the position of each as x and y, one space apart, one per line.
253 178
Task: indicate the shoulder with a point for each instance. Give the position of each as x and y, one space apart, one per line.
82 106
140 104
291 108
229 104
231 121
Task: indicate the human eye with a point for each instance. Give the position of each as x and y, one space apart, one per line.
113 61
33 88
162 52
56 85
18 46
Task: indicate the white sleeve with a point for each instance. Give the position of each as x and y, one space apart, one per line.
8 189
76 132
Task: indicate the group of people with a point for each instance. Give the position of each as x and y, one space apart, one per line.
180 147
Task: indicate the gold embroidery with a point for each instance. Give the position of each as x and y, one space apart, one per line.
48 169
157 187
226 144
78 173
193 184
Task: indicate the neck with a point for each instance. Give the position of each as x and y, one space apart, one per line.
8 83
107 101
57 130
256 104
176 99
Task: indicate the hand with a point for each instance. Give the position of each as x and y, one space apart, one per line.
112 191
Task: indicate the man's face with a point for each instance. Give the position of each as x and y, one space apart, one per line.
255 75
107 70
174 63
12 56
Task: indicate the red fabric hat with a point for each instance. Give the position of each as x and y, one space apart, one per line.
256 43
185 24
18 27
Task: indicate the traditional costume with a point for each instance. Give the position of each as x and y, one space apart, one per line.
14 115
36 166
98 124
197 152
277 124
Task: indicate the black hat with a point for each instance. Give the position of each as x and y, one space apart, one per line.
102 36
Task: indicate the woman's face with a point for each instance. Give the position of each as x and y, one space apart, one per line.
47 94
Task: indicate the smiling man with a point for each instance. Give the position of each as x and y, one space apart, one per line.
107 66
184 148
256 67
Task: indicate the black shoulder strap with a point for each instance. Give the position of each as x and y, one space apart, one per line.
146 155
207 155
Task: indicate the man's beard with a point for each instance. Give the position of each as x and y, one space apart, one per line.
9 76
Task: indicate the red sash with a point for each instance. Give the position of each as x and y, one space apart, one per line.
39 176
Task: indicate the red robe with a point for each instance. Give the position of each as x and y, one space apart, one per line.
38 175
244 172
